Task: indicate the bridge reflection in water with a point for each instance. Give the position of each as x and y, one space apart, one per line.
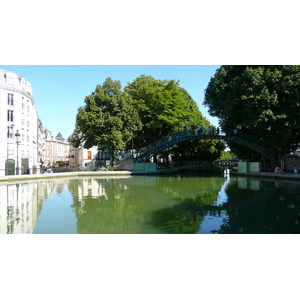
150 204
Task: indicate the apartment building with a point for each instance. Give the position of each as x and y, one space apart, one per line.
57 149
91 159
19 126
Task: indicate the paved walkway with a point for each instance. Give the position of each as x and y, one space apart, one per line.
63 174
78 174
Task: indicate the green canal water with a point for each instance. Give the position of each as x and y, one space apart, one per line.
177 204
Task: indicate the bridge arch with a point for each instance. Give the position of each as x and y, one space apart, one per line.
181 136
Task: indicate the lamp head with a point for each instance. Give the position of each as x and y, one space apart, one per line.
17 135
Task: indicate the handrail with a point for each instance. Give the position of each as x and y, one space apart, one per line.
180 136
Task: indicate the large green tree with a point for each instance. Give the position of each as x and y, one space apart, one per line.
108 119
163 107
260 100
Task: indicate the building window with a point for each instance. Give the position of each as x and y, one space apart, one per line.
89 154
9 133
10 99
10 115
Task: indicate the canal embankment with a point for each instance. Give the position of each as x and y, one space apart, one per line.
270 175
114 174
285 176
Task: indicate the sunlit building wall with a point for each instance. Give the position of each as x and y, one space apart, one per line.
17 114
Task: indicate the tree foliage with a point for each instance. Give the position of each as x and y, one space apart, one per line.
260 100
108 119
164 107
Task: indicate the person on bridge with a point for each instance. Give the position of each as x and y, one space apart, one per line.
192 129
200 129
278 171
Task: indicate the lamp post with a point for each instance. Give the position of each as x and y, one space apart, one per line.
17 135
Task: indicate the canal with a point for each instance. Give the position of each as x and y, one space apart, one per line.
177 204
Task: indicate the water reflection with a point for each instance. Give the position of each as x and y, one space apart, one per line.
140 204
262 206
21 203
150 204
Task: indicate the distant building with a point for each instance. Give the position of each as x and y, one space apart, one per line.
57 149
88 157
41 144
20 127
91 158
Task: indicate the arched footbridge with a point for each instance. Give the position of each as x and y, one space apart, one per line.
181 136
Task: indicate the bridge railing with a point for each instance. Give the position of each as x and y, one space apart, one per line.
250 141
173 136
251 138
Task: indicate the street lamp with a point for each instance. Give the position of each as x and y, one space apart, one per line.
17 135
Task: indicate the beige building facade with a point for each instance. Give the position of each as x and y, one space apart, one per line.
57 149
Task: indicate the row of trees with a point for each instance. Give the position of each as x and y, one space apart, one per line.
141 113
263 101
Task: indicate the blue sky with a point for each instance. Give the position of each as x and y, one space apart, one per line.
59 90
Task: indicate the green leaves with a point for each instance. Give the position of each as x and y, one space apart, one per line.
108 119
162 105
262 100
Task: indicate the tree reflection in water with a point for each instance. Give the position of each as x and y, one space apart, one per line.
273 208
145 205
188 216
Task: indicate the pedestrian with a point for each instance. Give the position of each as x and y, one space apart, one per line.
278 170
200 129
192 129
295 169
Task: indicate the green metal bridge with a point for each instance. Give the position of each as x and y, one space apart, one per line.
181 136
